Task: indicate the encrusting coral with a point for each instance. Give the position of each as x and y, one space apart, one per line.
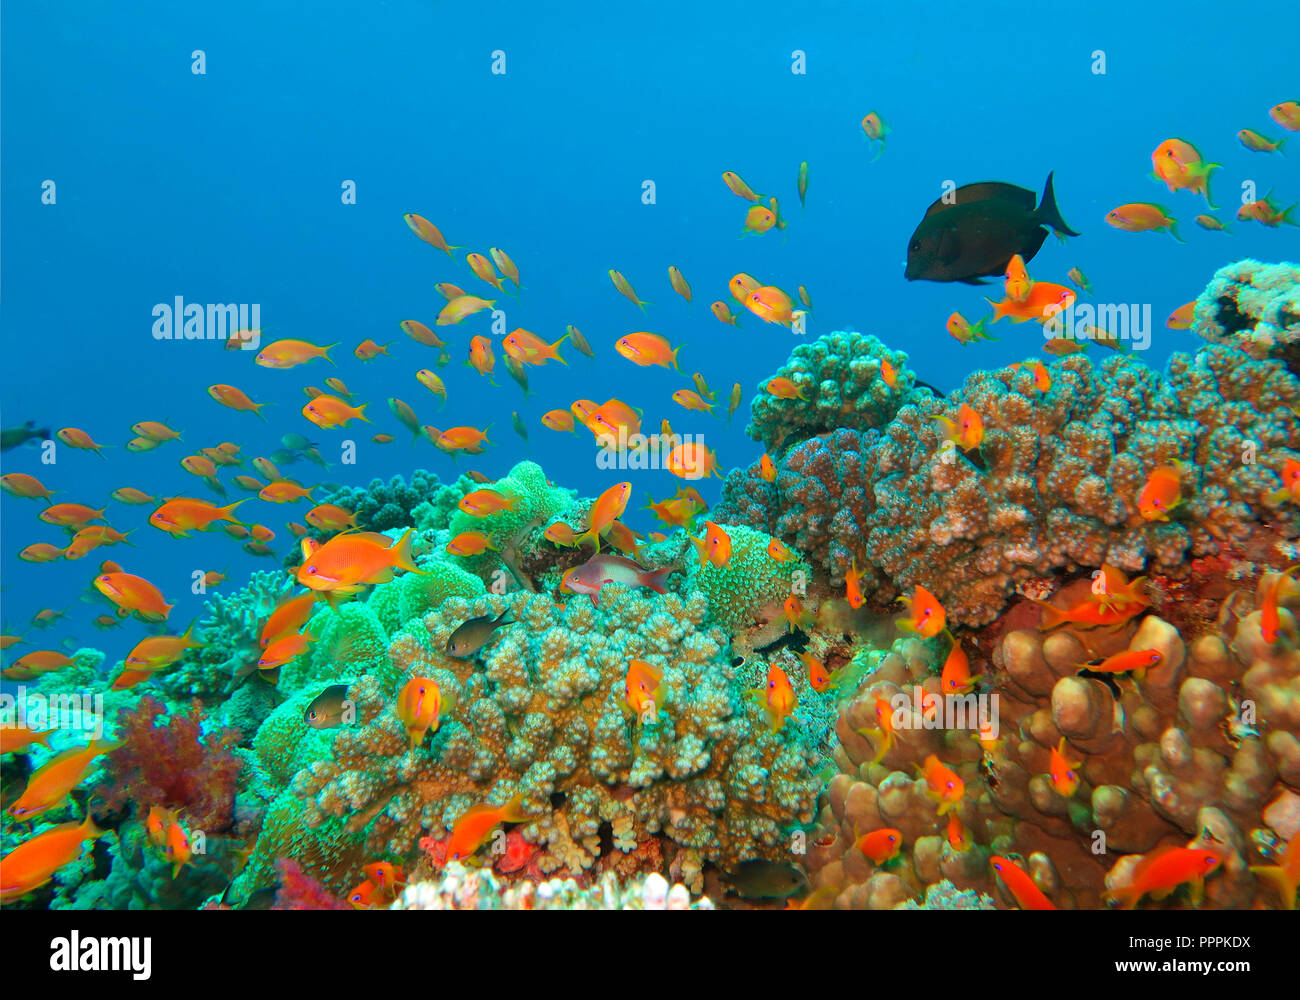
1255 307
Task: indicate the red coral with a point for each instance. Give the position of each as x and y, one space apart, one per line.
299 891
173 765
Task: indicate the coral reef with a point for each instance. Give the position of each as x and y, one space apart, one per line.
1193 754
467 889
1056 484
173 764
840 379
1255 307
543 717
752 586
383 506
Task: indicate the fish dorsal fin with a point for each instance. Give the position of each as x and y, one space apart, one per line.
986 191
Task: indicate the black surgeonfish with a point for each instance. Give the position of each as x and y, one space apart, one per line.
980 230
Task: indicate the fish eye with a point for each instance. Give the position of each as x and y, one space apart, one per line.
311 569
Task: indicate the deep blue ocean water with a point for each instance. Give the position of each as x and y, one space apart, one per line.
226 187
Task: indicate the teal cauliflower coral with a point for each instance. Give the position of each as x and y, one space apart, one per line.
752 586
544 717
841 380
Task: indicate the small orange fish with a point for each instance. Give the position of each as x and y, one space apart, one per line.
420 706
289 616
1062 771
482 503
476 825
158 651
181 515
693 460
881 846
714 547
328 411
759 219
724 314
470 543
529 349
50 785
956 676
428 232
503 261
926 618
74 437
558 420
1042 379
818 678
1017 283
738 187
561 534
1270 622
284 649
1164 870
643 689
1161 494
1181 318
33 863
646 349
1043 301
285 354
609 507
284 491
483 268
943 784
776 696
330 517
133 593
1087 614
766 469
1143 217
1027 895
1257 143
368 350
958 838
1136 661
853 586
794 612
481 358
625 289
779 551
784 388
889 373
742 286
348 563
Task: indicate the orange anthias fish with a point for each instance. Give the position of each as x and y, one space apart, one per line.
1142 217
1270 586
881 846
1181 318
818 678
1042 379
1041 303
1179 165
428 232
349 562
481 358
33 863
483 268
1027 895
476 825
853 586
714 547
776 696
1290 490
646 349
1161 494
284 354
766 469
133 593
794 612
158 651
643 688
967 431
1284 876
180 516
772 305
943 784
625 289
1065 779
481 503
927 617
1135 661
1087 614
609 507
956 676
50 785
288 617
1017 283
1164 870
958 837
529 349
458 309
738 187
1111 589
784 388
326 411
724 314
17 738
420 706
742 286
693 460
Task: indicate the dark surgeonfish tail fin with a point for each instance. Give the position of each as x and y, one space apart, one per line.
1048 214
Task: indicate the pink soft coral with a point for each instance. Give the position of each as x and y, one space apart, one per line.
299 891
173 765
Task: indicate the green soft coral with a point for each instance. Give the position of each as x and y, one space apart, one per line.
751 585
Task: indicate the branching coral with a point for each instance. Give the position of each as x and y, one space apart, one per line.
544 717
1056 483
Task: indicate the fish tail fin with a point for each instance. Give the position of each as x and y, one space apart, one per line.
325 352
402 553
1173 231
675 352
257 408
1279 879
1048 214
514 811
228 510
1052 617
657 580
591 535
555 352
